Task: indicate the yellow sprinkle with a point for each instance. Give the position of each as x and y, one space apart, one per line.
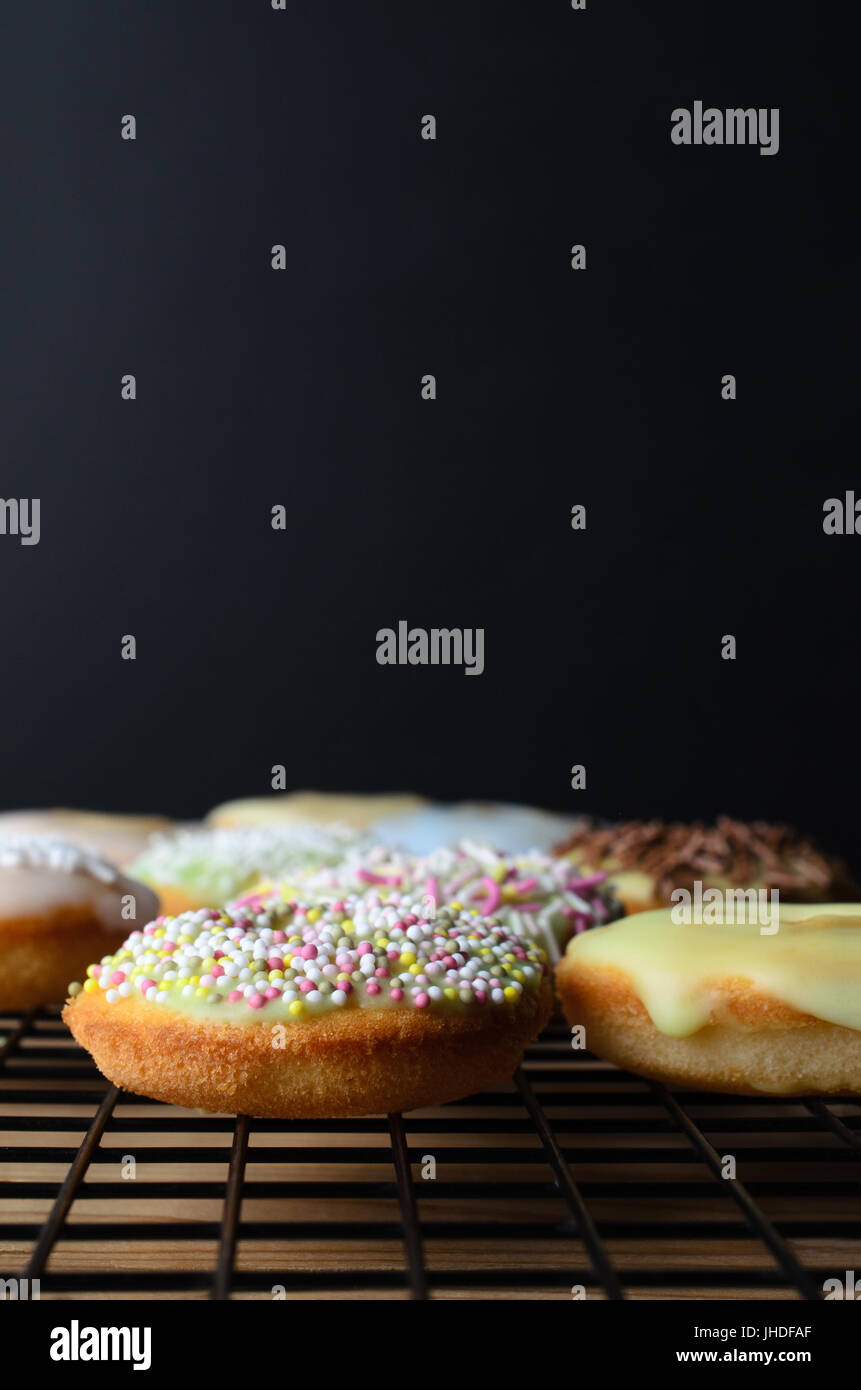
407 957
450 993
347 924
518 975
202 993
510 993
90 985
297 1008
415 969
90 969
194 980
206 965
313 915
276 974
458 907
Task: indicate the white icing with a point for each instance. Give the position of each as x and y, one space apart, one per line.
55 855
42 875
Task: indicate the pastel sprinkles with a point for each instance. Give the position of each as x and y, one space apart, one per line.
264 957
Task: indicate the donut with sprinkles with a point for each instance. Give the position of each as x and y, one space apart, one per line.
536 895
195 867
303 1009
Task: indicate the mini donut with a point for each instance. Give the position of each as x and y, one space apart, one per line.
300 1011
60 905
647 860
196 867
316 808
734 1008
118 837
535 895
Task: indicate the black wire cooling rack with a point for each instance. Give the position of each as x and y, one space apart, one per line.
574 1180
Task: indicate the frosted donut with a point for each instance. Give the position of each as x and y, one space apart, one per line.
647 860
534 894
59 907
117 837
724 1007
299 1011
316 808
195 868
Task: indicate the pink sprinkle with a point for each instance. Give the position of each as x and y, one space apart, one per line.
480 996
372 987
217 971
381 972
118 977
271 993
410 920
97 970
525 885
363 948
170 946
397 995
449 962
160 921
275 963
338 906
216 955
255 1001
394 879
308 952
279 936
235 995
148 931
494 896
147 984
306 986
421 1001
346 986
577 885
393 953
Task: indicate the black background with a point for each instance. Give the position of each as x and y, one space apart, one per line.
408 257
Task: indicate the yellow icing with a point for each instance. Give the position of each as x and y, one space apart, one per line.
812 962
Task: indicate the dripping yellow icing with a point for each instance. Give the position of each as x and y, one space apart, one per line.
812 962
